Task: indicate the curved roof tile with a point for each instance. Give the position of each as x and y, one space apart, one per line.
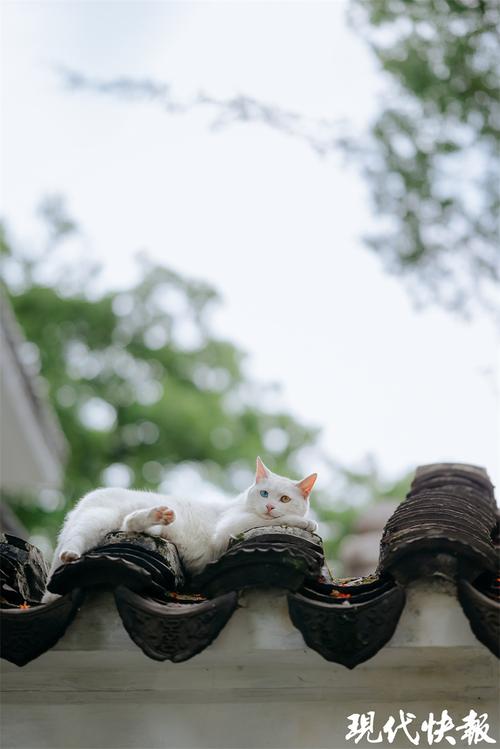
446 528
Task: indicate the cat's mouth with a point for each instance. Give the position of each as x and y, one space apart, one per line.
269 515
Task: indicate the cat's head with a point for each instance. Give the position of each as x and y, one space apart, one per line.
273 496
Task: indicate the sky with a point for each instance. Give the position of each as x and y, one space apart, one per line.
276 229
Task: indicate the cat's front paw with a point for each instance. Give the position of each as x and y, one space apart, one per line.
67 556
162 515
302 523
308 525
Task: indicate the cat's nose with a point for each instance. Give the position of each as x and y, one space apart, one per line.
270 507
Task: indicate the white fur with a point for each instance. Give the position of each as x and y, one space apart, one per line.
200 529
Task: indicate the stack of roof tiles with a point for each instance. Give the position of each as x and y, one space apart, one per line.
446 528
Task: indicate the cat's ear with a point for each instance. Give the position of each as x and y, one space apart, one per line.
261 472
307 484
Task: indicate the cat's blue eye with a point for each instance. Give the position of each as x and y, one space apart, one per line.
263 493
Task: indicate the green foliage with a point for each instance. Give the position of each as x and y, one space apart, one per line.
433 158
138 379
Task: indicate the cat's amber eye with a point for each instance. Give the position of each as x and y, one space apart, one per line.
284 498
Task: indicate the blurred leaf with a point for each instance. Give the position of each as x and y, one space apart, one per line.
433 156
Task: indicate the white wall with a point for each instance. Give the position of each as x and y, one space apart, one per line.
256 686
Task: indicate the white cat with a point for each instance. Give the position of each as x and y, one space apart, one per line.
200 529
